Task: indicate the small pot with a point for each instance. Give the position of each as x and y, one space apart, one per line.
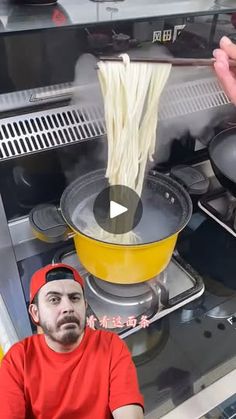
120 263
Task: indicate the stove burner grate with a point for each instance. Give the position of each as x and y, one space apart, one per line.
150 300
221 206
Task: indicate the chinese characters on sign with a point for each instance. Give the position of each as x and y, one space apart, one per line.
116 322
167 34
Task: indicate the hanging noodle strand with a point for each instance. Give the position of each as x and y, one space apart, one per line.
131 93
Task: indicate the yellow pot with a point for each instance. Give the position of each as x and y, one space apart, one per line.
119 263
124 264
129 264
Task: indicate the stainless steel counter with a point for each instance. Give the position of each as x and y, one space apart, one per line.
203 402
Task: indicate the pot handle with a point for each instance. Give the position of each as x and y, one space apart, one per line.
48 224
195 182
160 296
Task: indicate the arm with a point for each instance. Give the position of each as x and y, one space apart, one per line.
226 76
125 399
131 411
12 400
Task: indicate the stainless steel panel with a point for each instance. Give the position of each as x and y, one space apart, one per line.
25 98
10 284
24 242
203 402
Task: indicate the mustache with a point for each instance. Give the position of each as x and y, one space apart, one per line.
68 319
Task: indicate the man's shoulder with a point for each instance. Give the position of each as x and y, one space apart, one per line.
105 334
21 348
105 337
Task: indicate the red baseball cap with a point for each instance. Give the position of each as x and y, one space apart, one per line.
39 278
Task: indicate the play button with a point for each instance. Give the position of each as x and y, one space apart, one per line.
118 209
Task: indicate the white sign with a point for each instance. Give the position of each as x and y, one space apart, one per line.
167 34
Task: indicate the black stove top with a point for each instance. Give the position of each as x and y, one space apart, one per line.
197 342
221 206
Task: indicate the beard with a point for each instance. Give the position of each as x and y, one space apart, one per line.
66 336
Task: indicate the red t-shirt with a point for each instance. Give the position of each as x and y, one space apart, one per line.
89 383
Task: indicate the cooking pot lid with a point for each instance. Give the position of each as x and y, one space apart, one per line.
47 223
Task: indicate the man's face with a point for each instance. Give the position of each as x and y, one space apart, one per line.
61 311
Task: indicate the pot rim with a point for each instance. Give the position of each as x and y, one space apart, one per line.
165 179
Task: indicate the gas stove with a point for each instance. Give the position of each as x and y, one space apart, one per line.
218 203
126 309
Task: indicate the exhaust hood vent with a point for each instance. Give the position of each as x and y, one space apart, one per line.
42 130
37 131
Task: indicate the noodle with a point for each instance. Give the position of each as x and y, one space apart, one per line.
131 93
131 131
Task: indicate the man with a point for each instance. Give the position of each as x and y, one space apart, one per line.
70 371
226 75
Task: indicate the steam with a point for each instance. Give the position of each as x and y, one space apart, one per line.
86 85
200 124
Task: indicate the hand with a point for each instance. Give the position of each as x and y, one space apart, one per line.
226 76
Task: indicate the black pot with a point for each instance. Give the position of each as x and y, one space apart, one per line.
222 153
